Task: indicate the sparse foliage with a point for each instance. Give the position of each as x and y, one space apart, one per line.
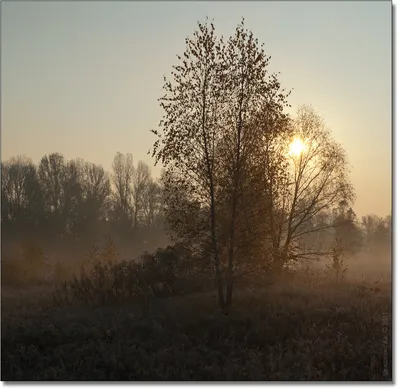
315 182
206 137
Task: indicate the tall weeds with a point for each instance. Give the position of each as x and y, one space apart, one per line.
105 279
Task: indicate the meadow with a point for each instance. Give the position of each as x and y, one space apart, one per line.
300 327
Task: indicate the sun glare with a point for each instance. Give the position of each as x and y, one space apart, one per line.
296 147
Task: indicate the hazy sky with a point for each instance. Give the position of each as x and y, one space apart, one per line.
83 79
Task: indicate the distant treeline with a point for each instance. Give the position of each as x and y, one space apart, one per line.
78 202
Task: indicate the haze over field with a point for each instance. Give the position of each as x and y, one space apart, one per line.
83 78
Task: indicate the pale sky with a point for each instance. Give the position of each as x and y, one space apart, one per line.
83 79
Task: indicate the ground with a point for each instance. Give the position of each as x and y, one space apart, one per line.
289 332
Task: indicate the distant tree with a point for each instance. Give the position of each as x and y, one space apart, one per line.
73 197
377 232
97 191
347 231
5 199
35 215
22 200
369 224
14 175
315 181
141 180
52 170
152 203
122 180
387 224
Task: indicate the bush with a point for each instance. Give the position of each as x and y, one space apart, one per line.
166 272
338 266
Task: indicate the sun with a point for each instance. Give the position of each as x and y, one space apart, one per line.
296 147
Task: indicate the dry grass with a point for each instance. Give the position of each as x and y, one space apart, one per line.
296 331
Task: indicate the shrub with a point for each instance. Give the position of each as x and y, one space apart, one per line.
338 266
166 272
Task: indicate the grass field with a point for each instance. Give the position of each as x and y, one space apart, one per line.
291 332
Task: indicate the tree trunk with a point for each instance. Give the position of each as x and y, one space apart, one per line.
215 248
229 293
216 258
220 288
229 286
